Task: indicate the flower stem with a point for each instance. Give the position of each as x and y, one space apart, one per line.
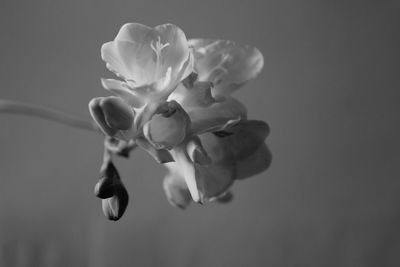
13 107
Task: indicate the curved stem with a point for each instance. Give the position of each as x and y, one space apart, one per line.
13 107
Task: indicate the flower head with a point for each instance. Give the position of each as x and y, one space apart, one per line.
173 100
150 61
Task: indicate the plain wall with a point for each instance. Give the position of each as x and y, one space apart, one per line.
329 90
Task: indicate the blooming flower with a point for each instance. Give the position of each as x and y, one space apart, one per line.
150 61
173 100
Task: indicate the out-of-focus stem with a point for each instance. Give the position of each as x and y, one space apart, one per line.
13 107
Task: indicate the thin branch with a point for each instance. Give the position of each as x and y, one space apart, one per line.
13 107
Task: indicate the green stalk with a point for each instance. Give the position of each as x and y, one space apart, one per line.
14 107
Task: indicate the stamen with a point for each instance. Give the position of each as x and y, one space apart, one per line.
157 47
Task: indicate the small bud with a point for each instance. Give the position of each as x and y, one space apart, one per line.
109 171
104 188
98 117
117 113
115 206
109 178
111 114
168 127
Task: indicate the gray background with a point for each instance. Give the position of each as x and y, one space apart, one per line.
329 91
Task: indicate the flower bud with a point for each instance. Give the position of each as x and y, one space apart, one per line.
109 178
111 114
115 206
117 113
168 127
98 117
104 188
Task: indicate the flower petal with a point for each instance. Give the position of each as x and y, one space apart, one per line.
119 88
143 55
130 61
177 53
254 164
196 152
160 155
185 167
216 115
246 137
198 96
225 197
167 128
214 179
176 190
134 33
226 64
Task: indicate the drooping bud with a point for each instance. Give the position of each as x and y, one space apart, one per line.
104 188
115 206
109 178
167 128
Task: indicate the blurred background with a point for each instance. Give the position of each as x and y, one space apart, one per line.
329 90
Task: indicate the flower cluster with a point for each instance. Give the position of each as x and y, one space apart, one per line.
173 99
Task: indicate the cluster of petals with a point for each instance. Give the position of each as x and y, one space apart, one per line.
172 97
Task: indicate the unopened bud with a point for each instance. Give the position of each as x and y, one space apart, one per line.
104 188
117 113
98 117
108 170
115 206
111 114
168 127
109 178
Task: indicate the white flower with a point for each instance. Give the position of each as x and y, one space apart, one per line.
151 62
174 102
237 153
221 67
226 64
